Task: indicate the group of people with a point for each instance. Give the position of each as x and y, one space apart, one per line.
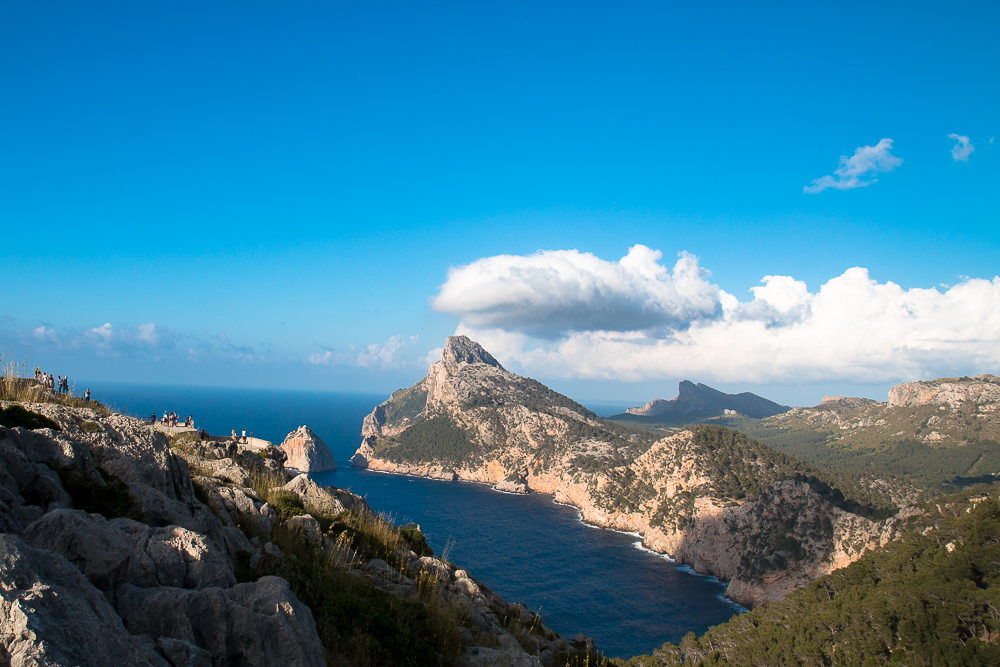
241 438
171 419
59 385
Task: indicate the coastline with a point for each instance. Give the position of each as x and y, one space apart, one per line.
640 544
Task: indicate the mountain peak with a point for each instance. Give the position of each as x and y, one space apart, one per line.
463 350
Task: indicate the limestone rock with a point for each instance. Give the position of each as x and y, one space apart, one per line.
110 553
306 452
322 499
980 389
308 525
253 624
184 654
51 615
463 350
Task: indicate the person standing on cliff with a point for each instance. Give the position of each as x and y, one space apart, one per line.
86 394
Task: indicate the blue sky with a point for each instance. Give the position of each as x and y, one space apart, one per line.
253 194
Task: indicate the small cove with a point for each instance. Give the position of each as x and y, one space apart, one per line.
528 549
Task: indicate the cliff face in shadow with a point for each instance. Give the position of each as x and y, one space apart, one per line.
709 497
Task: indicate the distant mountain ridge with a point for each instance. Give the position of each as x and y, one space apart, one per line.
699 401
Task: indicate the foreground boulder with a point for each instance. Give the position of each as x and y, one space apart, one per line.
259 623
51 615
307 452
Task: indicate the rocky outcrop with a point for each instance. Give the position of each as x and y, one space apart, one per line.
723 505
112 553
978 390
83 589
51 615
325 499
258 623
306 452
699 401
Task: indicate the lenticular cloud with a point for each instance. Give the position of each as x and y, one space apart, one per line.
570 314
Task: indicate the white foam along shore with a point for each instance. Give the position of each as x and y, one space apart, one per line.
579 517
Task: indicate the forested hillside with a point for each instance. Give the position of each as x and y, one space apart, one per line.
931 597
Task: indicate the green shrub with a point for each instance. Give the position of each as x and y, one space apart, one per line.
928 598
90 427
286 504
14 415
358 623
417 542
107 495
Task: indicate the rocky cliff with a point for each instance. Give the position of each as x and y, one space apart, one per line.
979 390
307 452
118 546
708 497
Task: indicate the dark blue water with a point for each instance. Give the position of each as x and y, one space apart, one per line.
526 548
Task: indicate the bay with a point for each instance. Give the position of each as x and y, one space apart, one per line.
526 548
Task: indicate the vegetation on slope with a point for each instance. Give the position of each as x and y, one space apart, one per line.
405 404
14 416
738 468
929 598
930 446
435 439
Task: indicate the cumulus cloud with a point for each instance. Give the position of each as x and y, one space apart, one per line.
324 359
859 170
386 355
393 353
45 333
120 341
554 291
962 149
852 328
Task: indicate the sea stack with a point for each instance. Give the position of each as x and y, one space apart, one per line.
307 452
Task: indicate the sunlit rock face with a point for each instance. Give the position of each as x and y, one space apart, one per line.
307 452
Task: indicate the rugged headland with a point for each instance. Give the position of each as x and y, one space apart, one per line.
119 546
708 497
695 402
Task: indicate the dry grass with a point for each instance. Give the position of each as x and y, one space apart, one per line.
15 385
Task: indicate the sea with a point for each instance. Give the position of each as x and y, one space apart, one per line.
527 548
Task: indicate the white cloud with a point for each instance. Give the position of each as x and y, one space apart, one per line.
852 328
859 170
962 149
554 291
432 357
104 333
147 333
324 359
44 333
394 353
388 355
